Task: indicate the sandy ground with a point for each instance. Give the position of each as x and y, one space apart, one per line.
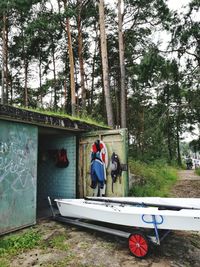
188 185
91 249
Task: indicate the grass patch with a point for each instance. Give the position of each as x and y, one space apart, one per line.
156 179
4 263
84 118
109 245
61 263
16 243
59 242
197 171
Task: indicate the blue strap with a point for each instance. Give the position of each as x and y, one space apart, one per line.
154 221
155 224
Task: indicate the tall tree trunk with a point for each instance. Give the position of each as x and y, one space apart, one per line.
122 66
178 142
25 61
178 130
76 90
25 82
93 65
6 61
104 56
178 126
25 78
65 94
80 56
3 59
117 105
141 129
71 61
92 85
169 134
54 79
169 144
11 91
2 82
40 80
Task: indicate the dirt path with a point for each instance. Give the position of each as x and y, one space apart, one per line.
92 249
188 185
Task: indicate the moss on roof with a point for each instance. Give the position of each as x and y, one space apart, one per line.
50 119
61 114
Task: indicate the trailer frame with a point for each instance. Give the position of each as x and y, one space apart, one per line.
139 241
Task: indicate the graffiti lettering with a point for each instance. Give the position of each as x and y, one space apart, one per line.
3 147
14 164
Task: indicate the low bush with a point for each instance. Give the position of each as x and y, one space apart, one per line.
197 171
14 243
157 179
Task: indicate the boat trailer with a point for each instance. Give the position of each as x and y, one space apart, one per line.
138 241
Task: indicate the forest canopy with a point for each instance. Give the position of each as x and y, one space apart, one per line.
109 62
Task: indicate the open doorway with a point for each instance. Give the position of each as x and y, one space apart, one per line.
53 179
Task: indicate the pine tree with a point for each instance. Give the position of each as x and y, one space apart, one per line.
105 70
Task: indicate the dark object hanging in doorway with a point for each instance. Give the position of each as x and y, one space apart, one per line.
61 158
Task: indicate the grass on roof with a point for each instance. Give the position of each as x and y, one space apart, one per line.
87 119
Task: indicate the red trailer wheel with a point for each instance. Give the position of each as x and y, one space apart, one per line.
138 245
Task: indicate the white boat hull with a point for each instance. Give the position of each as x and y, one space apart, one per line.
192 203
128 215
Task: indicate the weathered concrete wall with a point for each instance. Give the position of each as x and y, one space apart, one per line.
18 174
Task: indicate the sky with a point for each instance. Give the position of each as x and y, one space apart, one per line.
173 4
177 4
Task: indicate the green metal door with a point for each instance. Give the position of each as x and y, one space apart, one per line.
18 173
115 141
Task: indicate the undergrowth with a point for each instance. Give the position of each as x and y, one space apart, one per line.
59 243
197 171
15 243
156 179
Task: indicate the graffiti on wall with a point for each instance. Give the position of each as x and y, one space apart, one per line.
17 162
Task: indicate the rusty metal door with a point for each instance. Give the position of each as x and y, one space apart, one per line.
115 141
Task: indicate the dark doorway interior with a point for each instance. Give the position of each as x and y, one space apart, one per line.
53 179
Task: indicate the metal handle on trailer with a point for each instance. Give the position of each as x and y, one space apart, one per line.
51 207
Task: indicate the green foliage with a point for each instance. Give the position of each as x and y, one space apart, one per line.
197 171
15 243
156 178
195 145
62 114
4 262
153 120
59 242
